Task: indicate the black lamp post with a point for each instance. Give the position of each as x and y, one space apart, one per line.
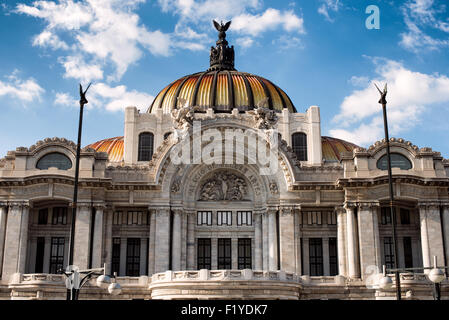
383 102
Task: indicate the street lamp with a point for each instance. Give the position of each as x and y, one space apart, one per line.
383 102
74 282
436 276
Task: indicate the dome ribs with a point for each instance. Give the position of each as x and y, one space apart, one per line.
178 90
213 90
267 93
231 90
249 92
284 105
197 85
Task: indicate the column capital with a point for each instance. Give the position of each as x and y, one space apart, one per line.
100 205
19 204
340 209
177 210
271 210
160 210
82 205
368 204
429 205
287 210
350 205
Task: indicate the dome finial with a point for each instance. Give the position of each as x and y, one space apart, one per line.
222 56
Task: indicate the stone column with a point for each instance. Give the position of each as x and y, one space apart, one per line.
143 254
183 242
191 265
258 241
265 250
162 245
16 239
446 231
3 209
47 253
287 239
176 240
234 253
298 227
272 241
214 253
341 241
326 267
82 235
306 262
370 254
97 248
109 215
123 249
351 242
431 236
152 245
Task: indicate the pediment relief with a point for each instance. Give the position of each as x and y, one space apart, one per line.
223 186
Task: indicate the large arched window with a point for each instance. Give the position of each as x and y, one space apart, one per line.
56 160
145 146
299 142
397 161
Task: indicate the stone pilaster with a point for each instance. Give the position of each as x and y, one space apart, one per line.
176 240
97 248
47 253
272 240
191 265
3 212
287 239
446 230
82 235
326 267
108 217
234 253
143 254
341 241
123 248
258 241
431 236
298 224
351 235
16 240
162 245
152 244
265 250
369 240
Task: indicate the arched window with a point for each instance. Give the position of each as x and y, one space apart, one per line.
55 159
397 161
299 142
145 146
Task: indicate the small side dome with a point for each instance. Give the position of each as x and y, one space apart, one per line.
114 147
332 148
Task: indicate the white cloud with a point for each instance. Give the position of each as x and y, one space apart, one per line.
65 99
410 94
359 81
420 18
24 90
48 39
117 98
76 68
269 20
101 32
244 42
329 5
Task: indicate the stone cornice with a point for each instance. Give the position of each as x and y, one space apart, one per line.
303 186
368 182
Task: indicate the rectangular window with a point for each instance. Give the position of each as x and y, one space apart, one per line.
117 218
56 254
331 218
224 218
204 218
204 254
405 216
115 263
333 259
40 248
244 218
42 216
388 252
59 215
312 217
408 254
316 256
244 254
133 257
386 215
224 254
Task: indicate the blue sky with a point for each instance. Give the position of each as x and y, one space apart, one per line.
319 51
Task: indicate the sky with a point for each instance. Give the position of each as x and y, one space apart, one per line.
320 52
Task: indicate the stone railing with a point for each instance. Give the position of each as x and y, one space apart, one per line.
224 275
37 279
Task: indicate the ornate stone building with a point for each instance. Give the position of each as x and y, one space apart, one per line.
316 228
